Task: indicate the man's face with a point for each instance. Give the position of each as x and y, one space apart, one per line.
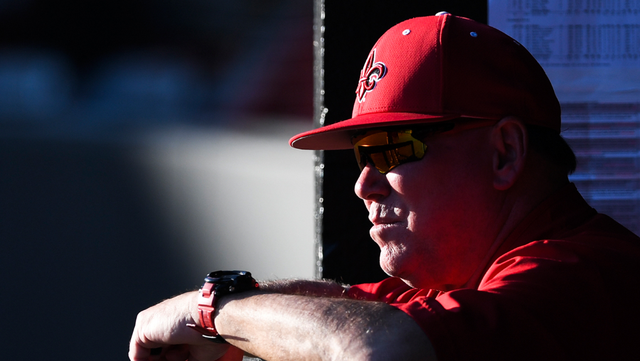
432 218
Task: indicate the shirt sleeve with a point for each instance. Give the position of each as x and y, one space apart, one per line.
391 290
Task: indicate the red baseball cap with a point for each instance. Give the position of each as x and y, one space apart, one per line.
437 68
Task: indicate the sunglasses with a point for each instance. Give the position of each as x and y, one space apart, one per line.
387 149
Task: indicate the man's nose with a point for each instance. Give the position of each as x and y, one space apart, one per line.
371 185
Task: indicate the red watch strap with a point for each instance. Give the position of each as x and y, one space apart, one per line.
206 307
225 282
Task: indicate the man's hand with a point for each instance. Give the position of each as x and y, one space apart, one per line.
161 334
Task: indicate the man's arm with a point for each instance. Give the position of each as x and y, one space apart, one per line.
311 323
292 327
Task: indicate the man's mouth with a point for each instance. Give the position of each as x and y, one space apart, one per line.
381 215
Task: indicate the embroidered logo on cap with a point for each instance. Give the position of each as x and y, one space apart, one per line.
370 75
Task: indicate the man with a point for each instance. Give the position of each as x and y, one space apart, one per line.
492 253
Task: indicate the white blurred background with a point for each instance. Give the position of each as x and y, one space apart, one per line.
239 199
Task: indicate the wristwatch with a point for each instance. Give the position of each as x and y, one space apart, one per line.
217 284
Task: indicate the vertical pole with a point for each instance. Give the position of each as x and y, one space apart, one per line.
319 113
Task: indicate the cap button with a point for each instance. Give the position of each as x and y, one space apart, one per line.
440 13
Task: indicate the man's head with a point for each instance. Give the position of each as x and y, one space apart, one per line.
440 128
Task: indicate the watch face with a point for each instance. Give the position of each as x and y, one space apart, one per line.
222 276
231 281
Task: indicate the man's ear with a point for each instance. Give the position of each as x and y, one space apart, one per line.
509 139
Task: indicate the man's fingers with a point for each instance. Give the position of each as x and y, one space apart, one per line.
142 349
139 353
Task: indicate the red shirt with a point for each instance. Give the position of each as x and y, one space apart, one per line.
562 286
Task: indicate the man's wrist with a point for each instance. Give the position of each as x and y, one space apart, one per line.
193 308
217 284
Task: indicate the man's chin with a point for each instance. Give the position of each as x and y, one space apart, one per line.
408 281
392 267
390 264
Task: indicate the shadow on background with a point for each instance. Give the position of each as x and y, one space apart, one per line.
82 250
94 102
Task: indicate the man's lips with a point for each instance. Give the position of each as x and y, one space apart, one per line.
381 215
383 228
383 221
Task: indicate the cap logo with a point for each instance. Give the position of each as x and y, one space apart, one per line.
370 75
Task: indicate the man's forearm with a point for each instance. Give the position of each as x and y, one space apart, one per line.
293 327
301 287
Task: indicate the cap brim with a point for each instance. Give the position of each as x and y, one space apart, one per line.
338 135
